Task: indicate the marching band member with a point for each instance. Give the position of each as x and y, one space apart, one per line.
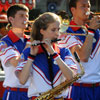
88 49
45 65
11 47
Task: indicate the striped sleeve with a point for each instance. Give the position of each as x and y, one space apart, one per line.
20 66
22 61
68 41
69 60
6 53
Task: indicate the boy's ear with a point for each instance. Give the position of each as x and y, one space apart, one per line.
72 10
10 19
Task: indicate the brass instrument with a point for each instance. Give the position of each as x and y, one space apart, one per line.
77 34
51 94
64 27
29 22
82 26
92 13
95 13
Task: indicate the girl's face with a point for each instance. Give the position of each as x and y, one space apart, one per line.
52 32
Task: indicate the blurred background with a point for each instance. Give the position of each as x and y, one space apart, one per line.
37 7
58 6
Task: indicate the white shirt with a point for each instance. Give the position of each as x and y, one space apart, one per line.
92 67
6 53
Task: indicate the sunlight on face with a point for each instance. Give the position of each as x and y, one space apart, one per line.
82 7
20 17
52 31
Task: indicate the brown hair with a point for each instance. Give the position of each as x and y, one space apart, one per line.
12 10
72 3
42 22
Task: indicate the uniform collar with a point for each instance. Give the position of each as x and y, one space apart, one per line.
15 38
76 28
54 46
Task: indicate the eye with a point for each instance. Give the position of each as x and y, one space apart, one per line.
27 16
53 29
89 6
58 29
83 6
21 15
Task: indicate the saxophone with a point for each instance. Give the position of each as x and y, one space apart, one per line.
51 94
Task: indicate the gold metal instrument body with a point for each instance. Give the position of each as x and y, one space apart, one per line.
51 94
64 27
95 13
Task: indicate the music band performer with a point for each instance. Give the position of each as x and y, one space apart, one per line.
88 49
11 47
45 65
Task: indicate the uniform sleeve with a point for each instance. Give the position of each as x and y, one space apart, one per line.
20 65
68 41
6 53
23 60
69 60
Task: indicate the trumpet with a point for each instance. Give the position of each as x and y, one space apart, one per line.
92 13
29 22
65 26
75 34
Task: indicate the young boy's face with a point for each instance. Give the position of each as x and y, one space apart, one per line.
18 20
82 7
